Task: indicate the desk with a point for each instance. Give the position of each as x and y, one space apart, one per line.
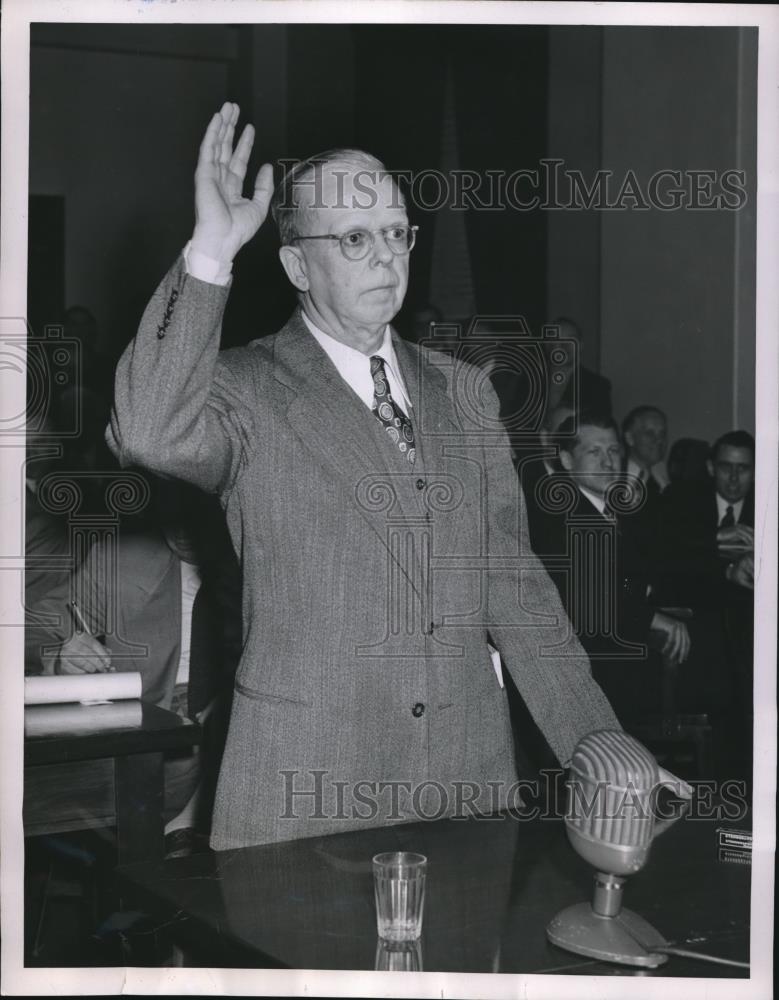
308 904
127 757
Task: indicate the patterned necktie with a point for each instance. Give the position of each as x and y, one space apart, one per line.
728 519
388 413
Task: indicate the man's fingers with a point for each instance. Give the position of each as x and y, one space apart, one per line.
77 665
240 158
230 119
679 785
207 146
263 186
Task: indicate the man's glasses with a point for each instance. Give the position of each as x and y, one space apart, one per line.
358 243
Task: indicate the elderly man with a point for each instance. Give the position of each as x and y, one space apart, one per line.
645 430
377 516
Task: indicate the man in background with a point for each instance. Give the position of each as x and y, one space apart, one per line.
603 578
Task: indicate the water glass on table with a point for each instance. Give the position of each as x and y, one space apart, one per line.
399 885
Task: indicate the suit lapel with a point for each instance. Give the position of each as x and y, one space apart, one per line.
344 438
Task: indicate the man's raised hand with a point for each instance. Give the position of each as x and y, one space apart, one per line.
224 219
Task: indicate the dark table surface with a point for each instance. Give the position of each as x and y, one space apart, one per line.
493 885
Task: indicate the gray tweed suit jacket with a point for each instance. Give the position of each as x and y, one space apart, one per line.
365 694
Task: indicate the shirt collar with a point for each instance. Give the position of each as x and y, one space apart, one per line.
599 503
722 508
354 367
658 472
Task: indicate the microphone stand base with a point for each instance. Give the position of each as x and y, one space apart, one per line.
626 938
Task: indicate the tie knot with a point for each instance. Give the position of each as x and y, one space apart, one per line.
377 365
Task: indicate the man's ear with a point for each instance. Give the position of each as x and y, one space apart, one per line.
629 439
710 467
566 460
294 266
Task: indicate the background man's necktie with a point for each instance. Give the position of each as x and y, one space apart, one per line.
388 413
728 520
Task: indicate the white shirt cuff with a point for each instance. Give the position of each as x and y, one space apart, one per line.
215 272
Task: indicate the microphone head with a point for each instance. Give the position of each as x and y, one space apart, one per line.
610 818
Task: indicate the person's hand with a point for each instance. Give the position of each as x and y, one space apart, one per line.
83 654
742 571
676 644
224 219
678 785
736 536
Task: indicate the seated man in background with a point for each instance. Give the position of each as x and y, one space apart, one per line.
709 533
645 433
707 556
537 462
601 575
164 603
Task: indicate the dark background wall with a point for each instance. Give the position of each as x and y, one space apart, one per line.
117 112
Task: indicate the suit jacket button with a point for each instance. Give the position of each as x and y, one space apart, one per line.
418 709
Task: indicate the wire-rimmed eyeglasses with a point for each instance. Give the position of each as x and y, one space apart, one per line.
358 243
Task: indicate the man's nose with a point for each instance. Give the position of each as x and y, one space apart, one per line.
381 252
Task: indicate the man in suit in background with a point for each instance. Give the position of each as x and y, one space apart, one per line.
602 577
645 438
707 562
645 433
359 485
708 537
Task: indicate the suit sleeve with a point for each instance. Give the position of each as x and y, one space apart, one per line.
526 617
179 409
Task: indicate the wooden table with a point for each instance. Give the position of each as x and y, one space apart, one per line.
84 776
493 885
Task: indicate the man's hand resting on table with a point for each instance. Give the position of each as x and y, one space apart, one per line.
676 645
736 536
224 219
82 654
742 571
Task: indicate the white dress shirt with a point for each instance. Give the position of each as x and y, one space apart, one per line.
354 367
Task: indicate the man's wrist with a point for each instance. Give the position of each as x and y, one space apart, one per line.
204 265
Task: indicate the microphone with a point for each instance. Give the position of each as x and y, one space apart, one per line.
610 823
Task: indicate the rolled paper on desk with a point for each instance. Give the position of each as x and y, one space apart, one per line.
51 720
82 687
